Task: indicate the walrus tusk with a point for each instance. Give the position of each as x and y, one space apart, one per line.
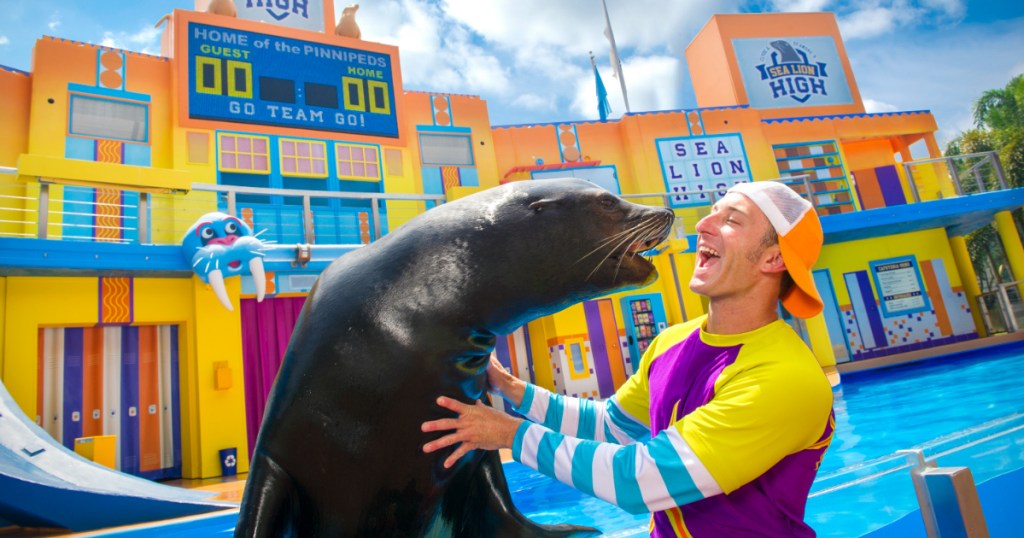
259 278
216 278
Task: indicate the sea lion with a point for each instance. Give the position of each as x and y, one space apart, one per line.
347 26
389 327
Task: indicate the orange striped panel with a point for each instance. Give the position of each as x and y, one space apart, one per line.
109 151
364 227
450 177
246 215
562 340
149 400
115 300
932 283
512 358
611 342
108 215
92 381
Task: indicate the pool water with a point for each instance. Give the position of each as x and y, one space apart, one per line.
964 409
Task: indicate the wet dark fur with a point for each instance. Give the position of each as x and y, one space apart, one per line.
390 327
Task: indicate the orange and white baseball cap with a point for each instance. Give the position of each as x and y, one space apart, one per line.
800 239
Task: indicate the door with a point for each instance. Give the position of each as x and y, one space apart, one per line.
645 317
118 380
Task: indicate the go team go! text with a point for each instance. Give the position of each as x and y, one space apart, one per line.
285 112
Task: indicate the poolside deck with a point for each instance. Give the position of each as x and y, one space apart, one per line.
930 353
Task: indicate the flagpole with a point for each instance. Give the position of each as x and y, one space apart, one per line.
616 64
603 108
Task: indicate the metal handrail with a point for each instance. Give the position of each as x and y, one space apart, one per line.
306 195
990 157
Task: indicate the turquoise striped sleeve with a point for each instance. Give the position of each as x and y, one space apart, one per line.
582 418
638 478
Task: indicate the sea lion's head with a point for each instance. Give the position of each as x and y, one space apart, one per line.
540 246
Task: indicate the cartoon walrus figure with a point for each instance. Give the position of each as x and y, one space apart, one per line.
390 327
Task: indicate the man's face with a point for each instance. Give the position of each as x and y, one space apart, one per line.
730 253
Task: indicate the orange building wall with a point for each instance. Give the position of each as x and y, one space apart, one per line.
58 62
15 91
717 80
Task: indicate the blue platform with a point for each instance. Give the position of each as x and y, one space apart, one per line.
46 485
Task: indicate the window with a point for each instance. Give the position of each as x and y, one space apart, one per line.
198 148
361 163
577 358
446 150
303 158
105 118
244 154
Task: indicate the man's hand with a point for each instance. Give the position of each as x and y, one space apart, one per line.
503 383
477 426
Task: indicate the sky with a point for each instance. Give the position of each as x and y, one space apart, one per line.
529 59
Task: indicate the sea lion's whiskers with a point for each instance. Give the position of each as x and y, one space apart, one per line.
625 239
605 242
613 238
644 230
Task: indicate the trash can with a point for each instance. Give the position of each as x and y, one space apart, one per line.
228 461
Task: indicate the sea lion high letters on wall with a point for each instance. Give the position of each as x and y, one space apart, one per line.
391 326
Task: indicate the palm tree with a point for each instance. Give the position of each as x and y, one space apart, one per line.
999 126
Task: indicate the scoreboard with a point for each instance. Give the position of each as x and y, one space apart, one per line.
262 79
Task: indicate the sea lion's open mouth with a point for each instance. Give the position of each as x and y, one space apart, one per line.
651 233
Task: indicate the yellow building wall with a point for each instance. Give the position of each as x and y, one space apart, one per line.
211 419
851 256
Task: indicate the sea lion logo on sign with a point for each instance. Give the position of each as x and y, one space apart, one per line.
792 71
302 14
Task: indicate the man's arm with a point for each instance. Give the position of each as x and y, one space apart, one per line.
639 478
577 417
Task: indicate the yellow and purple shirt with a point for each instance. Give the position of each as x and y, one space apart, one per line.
716 435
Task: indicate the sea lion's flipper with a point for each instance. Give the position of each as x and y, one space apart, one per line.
478 503
267 509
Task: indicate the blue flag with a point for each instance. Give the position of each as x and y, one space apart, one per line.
603 108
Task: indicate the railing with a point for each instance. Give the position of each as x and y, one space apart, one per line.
956 175
859 497
55 211
310 219
1002 309
47 210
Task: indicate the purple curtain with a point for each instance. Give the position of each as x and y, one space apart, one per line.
266 329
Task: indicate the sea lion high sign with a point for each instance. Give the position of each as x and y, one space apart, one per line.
391 326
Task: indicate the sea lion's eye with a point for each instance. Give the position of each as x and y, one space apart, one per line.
537 206
230 227
607 202
207 233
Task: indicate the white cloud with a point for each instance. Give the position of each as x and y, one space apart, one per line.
54 22
4 40
146 40
950 8
800 6
534 102
927 70
871 22
648 85
872 106
874 18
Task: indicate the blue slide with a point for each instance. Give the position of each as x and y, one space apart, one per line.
44 484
